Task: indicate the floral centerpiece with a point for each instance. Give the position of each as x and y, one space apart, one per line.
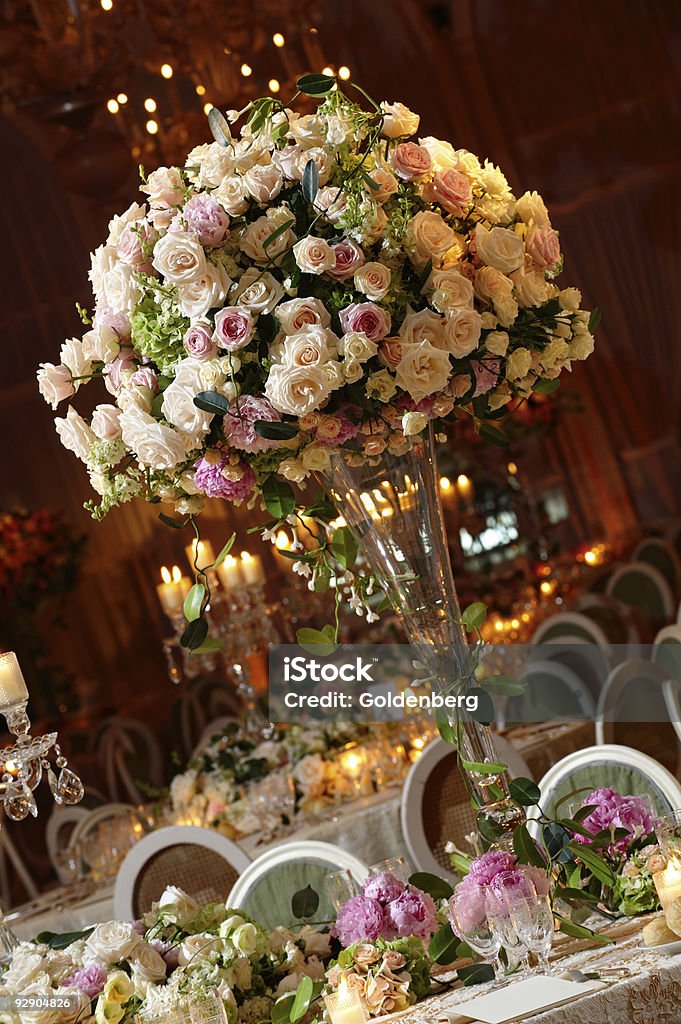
386 908
387 976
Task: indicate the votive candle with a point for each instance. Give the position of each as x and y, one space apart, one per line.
251 569
172 590
668 883
206 555
12 686
230 574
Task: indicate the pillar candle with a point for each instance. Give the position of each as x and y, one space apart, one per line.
12 686
251 568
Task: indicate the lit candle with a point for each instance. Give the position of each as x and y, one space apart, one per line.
173 590
345 1006
251 569
12 686
283 543
668 883
230 574
206 555
464 486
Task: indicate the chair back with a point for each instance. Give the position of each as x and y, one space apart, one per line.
212 731
613 618
59 832
202 703
623 769
662 556
436 806
553 690
666 656
579 628
632 708
199 860
91 820
644 588
127 749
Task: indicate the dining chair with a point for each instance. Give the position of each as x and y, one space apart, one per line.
204 701
199 860
569 625
611 616
59 833
666 655
672 534
436 807
646 590
621 768
633 710
266 887
553 690
212 731
127 749
661 555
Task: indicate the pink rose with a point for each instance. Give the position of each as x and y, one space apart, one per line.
198 342
374 446
130 245
486 375
349 258
365 318
233 328
331 201
543 247
411 161
451 189
164 187
207 219
145 378
115 370
390 352
239 423
117 322
105 422
55 384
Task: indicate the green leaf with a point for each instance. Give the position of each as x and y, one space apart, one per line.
317 641
60 940
213 402
302 999
209 646
194 634
368 180
278 231
443 945
315 85
344 546
305 902
174 524
555 838
594 862
193 602
526 849
424 275
571 894
279 498
484 767
474 615
281 1011
225 551
525 792
438 888
546 387
476 974
448 732
310 182
578 931
493 435
275 430
484 710
219 126
594 320
504 685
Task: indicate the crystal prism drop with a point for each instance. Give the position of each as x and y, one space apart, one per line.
54 786
19 801
69 787
33 773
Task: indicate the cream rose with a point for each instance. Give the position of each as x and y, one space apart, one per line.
385 180
373 280
177 906
532 210
422 326
499 248
216 163
297 314
357 346
27 967
462 332
259 291
450 290
78 1005
257 234
292 469
164 187
111 941
105 422
496 342
310 347
231 194
351 370
101 344
156 445
414 423
314 255
263 182
381 385
422 370
178 400
582 346
307 130
75 434
180 258
518 363
73 357
121 291
205 292
442 154
429 237
297 390
54 383
102 260
398 120
198 947
530 286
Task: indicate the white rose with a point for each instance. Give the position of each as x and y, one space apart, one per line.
243 973
231 195
258 232
450 290
414 423
156 445
105 422
381 385
111 941
263 182
499 248
307 130
79 1005
497 343
179 256
102 260
198 947
249 151
121 291
531 287
467 163
245 938
183 788
422 326
532 210
570 299
357 346
101 344
178 400
75 434
352 371
422 370
297 314
398 120
310 772
258 291
462 332
292 469
205 292
72 355
119 221
582 346
518 363
27 967
310 347
428 237
54 383
216 163
314 255
442 154
148 964
297 390
177 906
41 1015
373 280
555 355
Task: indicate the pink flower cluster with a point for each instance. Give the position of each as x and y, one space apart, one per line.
611 811
224 480
385 909
486 875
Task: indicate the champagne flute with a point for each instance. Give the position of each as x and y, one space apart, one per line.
469 918
502 926
533 920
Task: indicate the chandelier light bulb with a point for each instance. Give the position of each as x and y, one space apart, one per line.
150 105
273 85
327 71
152 127
344 72
200 90
112 106
246 70
207 107
122 98
106 4
166 71
278 39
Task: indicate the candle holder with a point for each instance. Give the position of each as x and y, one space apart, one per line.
23 763
345 1006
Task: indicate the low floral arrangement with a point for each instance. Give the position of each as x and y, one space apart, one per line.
483 875
39 557
220 787
312 283
387 909
387 976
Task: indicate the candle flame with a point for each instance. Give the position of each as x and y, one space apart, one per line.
282 541
165 574
246 557
177 574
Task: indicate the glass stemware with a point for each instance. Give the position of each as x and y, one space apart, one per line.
503 928
533 921
340 886
395 866
469 917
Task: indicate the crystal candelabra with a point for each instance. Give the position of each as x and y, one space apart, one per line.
24 762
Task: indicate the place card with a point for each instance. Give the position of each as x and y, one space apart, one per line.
519 1000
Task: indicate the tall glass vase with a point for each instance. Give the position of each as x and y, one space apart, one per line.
394 509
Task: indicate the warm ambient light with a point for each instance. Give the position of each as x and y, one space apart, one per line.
278 39
246 70
169 576
445 483
282 541
166 71
327 71
106 4
122 98
112 106
344 72
200 90
590 557
150 105
512 468
207 107
462 480
152 127
273 85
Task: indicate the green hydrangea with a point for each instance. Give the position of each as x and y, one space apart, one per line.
157 332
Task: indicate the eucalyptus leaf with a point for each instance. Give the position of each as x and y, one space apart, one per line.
546 387
484 767
493 435
310 182
594 320
304 902
209 646
484 709
213 402
193 602
281 1011
277 232
219 126
194 634
60 940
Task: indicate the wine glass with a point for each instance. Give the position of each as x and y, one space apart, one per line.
395 866
533 921
340 886
469 918
503 928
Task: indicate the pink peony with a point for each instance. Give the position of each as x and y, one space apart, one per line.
412 913
451 189
484 868
207 219
90 980
114 370
411 161
233 328
117 322
349 258
384 887
486 375
145 378
611 811
198 342
345 430
223 480
543 247
239 423
469 902
365 318
358 920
